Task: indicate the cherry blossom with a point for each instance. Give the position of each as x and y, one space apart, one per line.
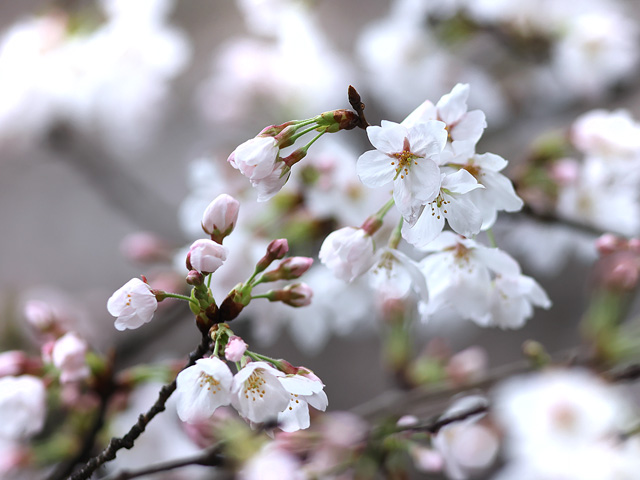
202 388
348 253
451 204
304 390
133 304
461 125
395 275
408 156
22 406
257 393
256 157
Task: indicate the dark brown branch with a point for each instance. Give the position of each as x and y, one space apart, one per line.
128 440
207 458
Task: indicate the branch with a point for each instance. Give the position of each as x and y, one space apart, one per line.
208 458
128 440
358 106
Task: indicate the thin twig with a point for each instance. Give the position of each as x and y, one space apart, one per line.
127 441
208 458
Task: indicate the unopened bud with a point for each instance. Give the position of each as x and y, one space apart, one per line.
634 245
195 278
273 130
206 256
608 243
276 250
235 349
335 120
220 217
624 276
296 295
290 269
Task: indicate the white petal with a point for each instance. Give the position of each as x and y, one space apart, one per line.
463 217
375 169
427 139
460 182
490 161
470 127
497 260
389 138
426 229
426 111
453 105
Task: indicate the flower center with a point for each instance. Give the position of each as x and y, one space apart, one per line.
440 203
210 382
254 386
404 160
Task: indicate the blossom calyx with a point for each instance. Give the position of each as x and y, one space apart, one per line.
235 302
336 120
220 217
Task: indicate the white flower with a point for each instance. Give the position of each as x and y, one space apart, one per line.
256 157
69 355
206 256
394 275
272 463
451 203
134 304
273 182
606 134
348 253
221 215
304 390
461 125
556 414
466 446
498 192
409 158
257 393
512 300
22 406
202 388
459 277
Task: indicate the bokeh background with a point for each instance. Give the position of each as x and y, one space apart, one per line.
109 141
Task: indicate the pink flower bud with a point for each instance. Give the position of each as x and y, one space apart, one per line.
624 276
256 157
276 250
69 355
235 349
634 245
607 244
206 256
348 253
289 269
297 295
220 217
565 171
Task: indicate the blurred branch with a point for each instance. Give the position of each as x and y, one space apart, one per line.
127 441
130 197
208 458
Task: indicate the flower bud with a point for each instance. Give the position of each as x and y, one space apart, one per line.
348 253
145 247
276 250
69 356
289 269
206 256
235 349
220 217
195 278
608 243
296 295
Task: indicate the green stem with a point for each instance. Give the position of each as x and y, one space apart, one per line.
258 357
209 281
385 209
396 235
492 239
297 135
262 295
180 297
